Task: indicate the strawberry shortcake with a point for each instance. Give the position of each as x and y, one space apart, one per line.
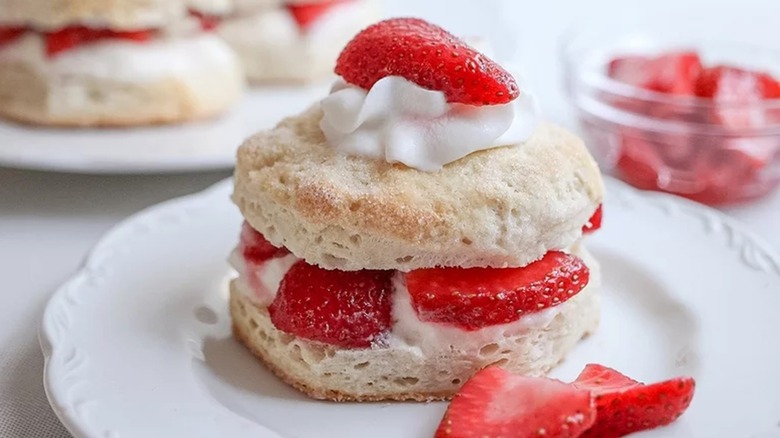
98 63
417 225
293 41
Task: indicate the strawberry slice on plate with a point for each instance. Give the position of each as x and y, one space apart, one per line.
472 298
497 403
255 248
625 406
306 14
430 57
349 309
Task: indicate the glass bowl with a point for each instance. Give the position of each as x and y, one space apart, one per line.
674 143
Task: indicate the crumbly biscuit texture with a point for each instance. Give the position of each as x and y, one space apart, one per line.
502 207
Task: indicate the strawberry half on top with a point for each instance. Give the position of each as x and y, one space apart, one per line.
430 57
601 403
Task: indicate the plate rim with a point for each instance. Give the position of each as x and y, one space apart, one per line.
246 105
737 233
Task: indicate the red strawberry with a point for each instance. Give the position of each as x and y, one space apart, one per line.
71 37
64 39
599 378
306 14
138 36
255 248
430 57
724 83
8 34
478 297
673 73
639 162
349 309
739 94
625 406
208 22
594 223
496 403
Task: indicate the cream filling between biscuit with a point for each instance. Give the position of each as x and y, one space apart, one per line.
124 61
260 283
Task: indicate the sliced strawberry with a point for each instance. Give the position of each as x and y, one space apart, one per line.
496 403
255 248
64 39
594 223
729 84
479 297
600 379
673 73
639 162
208 22
625 406
306 14
739 95
349 309
74 36
430 57
8 34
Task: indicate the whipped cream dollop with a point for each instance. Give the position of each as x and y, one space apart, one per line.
399 121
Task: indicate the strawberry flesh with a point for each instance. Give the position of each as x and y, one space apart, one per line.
71 37
208 22
625 406
306 14
349 309
594 223
430 57
473 298
255 248
732 84
673 73
739 93
9 34
496 403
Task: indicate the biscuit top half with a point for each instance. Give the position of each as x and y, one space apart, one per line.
504 206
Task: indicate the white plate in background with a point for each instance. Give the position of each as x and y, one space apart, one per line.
197 146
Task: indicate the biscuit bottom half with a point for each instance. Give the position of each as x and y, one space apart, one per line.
329 372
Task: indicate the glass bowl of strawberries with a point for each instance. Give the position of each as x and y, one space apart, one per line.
685 115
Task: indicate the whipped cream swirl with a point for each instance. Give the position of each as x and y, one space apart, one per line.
399 121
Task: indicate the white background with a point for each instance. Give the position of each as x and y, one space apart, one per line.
49 221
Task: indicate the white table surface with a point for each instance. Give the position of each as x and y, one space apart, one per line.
49 221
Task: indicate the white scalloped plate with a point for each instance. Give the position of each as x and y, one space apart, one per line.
138 343
198 146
